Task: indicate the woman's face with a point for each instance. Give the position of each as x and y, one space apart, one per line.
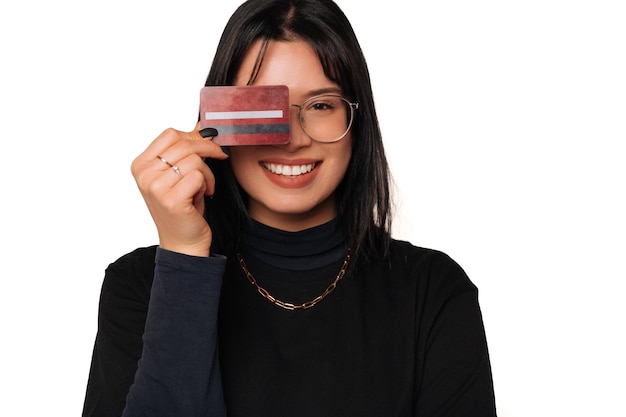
305 197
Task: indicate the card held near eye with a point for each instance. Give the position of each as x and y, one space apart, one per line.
246 115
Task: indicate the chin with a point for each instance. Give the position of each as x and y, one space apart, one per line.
293 211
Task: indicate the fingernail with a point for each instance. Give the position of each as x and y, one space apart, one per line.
208 132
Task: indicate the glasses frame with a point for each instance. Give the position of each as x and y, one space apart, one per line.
353 106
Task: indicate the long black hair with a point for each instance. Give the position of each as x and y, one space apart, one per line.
363 196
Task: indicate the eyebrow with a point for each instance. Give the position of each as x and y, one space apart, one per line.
327 90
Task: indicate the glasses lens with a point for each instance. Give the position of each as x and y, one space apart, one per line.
326 118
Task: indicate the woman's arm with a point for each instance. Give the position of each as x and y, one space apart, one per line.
456 372
179 373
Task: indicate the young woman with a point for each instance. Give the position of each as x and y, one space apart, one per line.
276 288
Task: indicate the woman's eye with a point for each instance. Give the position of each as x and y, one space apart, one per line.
321 105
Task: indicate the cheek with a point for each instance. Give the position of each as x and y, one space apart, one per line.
344 163
243 163
345 154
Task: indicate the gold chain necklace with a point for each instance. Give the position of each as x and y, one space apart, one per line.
290 306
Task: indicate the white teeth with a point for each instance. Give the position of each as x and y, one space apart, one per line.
289 170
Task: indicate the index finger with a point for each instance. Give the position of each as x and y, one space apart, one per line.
207 133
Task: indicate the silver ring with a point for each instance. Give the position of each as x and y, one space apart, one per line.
177 170
165 161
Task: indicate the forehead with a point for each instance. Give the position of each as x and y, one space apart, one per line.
292 63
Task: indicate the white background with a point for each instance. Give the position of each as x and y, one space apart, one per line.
504 123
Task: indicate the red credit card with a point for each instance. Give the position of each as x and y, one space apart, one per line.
246 115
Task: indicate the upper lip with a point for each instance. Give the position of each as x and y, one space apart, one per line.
281 161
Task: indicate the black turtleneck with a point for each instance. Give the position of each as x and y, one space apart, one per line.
400 339
298 251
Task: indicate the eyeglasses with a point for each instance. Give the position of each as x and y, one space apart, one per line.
326 118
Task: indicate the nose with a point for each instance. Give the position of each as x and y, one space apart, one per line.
297 137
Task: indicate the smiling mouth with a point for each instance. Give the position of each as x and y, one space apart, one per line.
289 170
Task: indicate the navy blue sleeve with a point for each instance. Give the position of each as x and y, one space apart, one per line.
179 374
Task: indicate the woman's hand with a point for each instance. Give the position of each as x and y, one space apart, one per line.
173 179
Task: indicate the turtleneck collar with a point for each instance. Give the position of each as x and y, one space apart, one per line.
307 249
